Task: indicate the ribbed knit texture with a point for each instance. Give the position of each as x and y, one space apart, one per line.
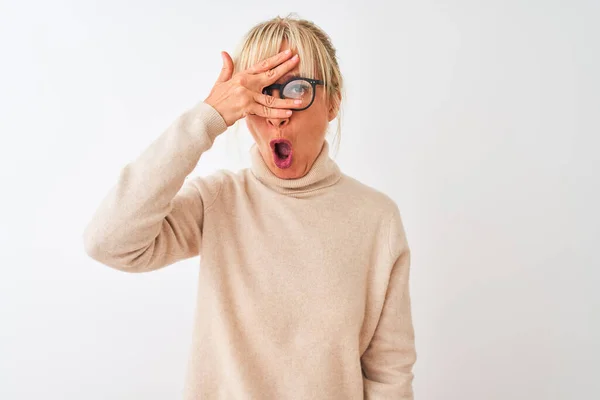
303 286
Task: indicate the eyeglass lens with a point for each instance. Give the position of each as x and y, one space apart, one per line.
297 89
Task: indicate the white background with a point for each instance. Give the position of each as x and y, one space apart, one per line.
480 118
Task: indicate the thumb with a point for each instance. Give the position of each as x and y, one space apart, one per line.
227 70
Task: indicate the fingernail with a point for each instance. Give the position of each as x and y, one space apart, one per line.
289 112
297 101
288 51
295 57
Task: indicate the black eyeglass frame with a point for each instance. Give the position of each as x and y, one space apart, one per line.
280 86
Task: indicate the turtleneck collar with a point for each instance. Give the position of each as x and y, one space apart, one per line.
323 173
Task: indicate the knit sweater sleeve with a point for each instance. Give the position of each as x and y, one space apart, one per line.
388 361
152 217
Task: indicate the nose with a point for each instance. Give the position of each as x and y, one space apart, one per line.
278 122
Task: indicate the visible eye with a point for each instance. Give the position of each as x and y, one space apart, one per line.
297 89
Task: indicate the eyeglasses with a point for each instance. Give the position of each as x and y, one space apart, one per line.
296 88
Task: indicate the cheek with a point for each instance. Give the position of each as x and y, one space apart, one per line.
318 110
258 128
315 117
253 123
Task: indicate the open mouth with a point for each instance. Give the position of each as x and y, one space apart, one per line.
282 153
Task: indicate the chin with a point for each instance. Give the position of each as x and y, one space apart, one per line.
289 173
293 172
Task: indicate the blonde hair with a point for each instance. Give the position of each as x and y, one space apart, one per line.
317 55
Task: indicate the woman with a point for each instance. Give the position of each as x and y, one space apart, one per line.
303 287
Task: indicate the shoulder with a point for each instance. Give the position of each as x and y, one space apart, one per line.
208 186
369 197
381 207
222 182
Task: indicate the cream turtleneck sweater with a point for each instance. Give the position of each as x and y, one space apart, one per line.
303 288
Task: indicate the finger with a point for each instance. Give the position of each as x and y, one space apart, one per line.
227 70
270 62
271 75
268 112
274 102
